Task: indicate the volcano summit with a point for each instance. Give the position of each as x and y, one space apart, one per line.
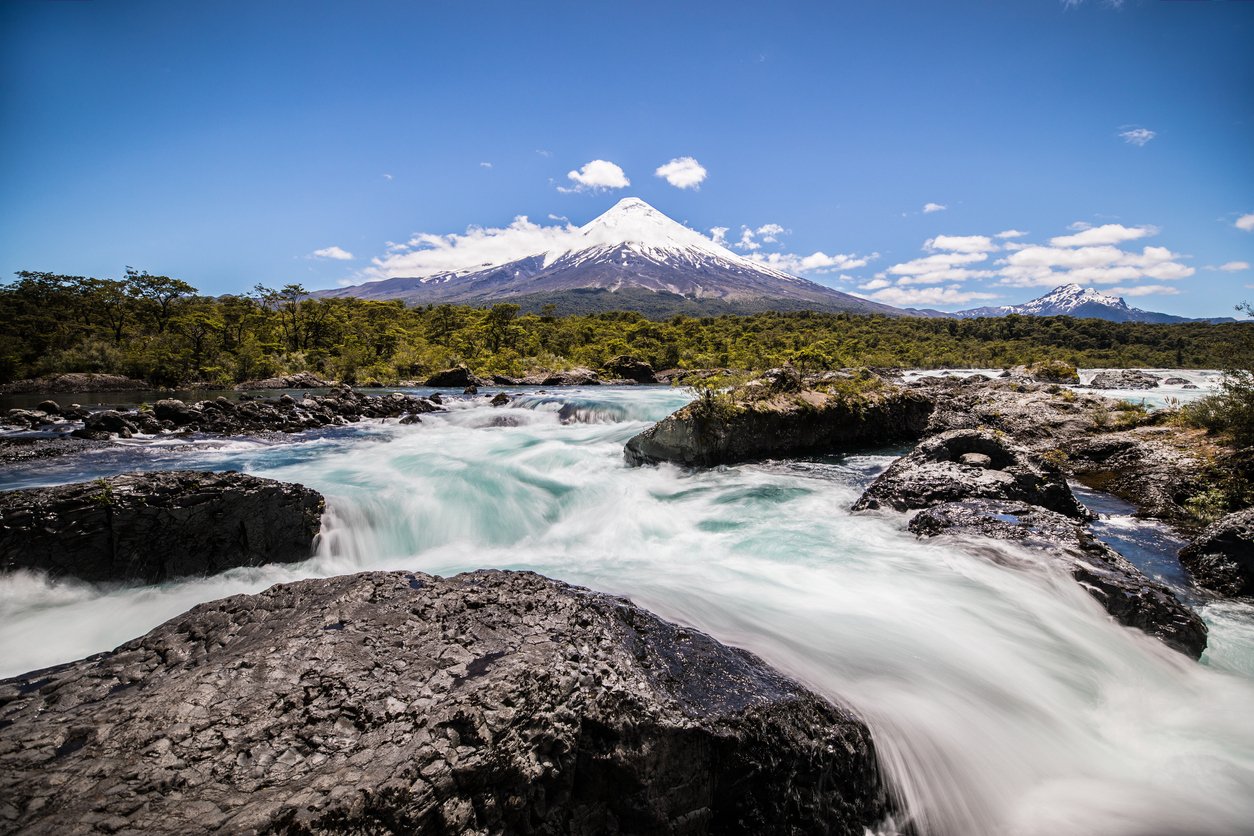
632 257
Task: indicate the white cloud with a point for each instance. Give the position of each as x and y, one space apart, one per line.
1040 266
682 173
1010 233
877 283
769 232
1104 234
816 262
952 295
929 208
961 243
719 235
1137 136
485 165
1145 290
1078 225
596 175
1246 222
746 241
932 263
1232 266
334 253
428 254
388 177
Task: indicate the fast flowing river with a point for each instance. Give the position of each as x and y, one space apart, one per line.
1002 698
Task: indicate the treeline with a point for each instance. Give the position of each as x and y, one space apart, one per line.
160 329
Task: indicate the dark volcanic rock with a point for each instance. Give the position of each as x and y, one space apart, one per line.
150 527
1124 379
342 405
1222 557
1128 595
780 422
571 377
300 380
1153 476
75 382
488 703
940 469
458 377
630 368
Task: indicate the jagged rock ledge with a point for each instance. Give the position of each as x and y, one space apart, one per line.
151 527
490 702
75 382
1221 558
223 416
970 464
777 415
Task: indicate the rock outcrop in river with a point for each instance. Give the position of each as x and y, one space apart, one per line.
491 702
778 415
151 527
343 405
1222 557
970 464
1129 596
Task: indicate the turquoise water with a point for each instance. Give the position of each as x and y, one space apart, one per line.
1001 696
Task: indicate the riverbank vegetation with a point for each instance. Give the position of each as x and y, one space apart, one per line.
160 329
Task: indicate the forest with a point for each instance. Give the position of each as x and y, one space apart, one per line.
160 329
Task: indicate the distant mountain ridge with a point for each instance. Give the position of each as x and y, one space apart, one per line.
1083 302
631 256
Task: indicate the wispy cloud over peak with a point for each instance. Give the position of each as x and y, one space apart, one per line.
595 176
1105 234
333 253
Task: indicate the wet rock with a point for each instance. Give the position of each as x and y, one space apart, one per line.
1050 371
1176 381
934 472
411 419
75 382
49 407
571 377
177 412
300 380
472 389
1221 559
500 399
110 421
458 377
1155 477
717 429
1124 379
1128 595
150 527
389 702
630 368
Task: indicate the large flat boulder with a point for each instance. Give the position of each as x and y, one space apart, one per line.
1221 559
1128 595
390 702
780 417
970 464
151 527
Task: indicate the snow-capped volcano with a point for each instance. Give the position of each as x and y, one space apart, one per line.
630 257
1074 300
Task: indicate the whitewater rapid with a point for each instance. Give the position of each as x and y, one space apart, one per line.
1001 696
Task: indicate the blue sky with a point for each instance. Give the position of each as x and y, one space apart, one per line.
227 142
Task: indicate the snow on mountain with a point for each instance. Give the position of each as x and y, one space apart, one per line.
630 256
1074 300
